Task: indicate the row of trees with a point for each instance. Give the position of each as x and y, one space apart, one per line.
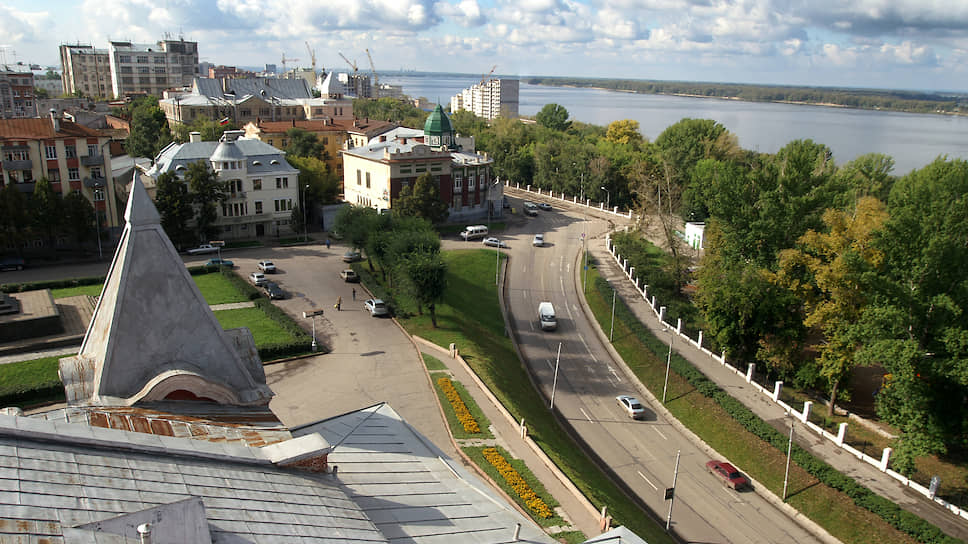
405 248
45 215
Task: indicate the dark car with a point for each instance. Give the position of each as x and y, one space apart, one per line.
728 474
11 263
219 262
273 291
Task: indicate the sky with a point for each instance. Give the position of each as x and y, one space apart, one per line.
895 44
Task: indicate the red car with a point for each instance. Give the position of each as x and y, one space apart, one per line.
728 474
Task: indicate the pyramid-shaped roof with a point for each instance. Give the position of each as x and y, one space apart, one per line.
153 335
437 122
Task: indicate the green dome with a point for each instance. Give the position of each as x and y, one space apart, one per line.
438 123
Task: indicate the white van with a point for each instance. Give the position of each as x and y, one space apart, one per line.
474 231
546 316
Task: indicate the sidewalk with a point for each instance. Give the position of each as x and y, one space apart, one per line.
573 509
772 413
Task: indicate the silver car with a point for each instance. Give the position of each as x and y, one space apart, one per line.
376 307
633 408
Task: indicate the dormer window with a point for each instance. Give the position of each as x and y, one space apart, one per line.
256 163
273 161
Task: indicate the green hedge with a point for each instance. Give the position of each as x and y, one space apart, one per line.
893 514
301 342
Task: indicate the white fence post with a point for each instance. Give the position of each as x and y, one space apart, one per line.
637 283
699 342
806 411
776 391
722 358
841 433
662 314
885 457
653 302
679 326
749 372
645 292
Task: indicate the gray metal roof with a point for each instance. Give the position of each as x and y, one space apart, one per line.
267 87
252 151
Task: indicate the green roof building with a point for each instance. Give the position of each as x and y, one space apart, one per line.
438 130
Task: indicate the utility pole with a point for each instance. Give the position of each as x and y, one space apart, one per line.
672 494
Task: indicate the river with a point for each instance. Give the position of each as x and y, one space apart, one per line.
912 140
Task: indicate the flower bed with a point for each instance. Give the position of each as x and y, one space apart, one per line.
517 483
463 414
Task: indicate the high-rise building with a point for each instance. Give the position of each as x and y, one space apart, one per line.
152 68
17 98
489 99
86 70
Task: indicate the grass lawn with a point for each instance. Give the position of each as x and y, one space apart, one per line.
432 363
476 454
264 330
481 339
456 427
29 375
831 509
215 288
90 290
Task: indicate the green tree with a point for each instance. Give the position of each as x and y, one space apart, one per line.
14 216
79 218
149 129
467 124
625 132
175 208
206 192
355 223
423 200
868 175
427 276
323 184
47 212
554 117
304 143
209 130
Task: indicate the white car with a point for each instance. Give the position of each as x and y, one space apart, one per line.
203 249
632 406
267 266
257 278
538 240
494 242
376 307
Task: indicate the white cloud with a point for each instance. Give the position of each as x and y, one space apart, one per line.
466 13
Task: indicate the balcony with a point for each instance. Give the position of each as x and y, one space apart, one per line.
235 195
92 160
92 182
18 165
27 187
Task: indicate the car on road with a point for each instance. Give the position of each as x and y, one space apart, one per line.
538 240
530 208
349 276
504 203
376 307
12 263
494 242
351 256
544 206
267 266
728 474
257 278
633 408
203 249
273 291
214 263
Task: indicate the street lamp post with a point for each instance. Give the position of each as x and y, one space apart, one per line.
554 384
672 338
305 223
312 314
608 198
786 474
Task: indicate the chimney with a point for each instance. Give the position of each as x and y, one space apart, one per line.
194 137
54 121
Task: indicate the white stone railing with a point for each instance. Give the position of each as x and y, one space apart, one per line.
588 203
774 394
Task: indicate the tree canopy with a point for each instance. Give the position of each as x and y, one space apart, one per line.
149 128
422 200
554 117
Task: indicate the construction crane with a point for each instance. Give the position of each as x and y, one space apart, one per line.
352 64
376 78
285 60
312 55
487 75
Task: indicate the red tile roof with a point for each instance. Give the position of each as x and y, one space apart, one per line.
41 128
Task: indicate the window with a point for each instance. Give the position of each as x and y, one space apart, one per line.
124 58
257 186
159 60
283 204
16 156
143 70
158 69
73 174
144 80
92 150
95 171
367 180
359 178
70 151
282 183
28 176
457 182
258 207
142 59
325 140
50 150
54 176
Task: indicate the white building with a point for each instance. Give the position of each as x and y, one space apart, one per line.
262 187
491 99
152 68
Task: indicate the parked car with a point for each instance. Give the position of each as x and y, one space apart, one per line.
530 208
12 263
273 291
267 266
633 408
219 262
494 242
728 474
203 249
257 278
544 206
504 203
376 307
538 240
349 276
351 256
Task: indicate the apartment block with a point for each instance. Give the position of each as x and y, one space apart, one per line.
86 70
17 99
152 68
489 99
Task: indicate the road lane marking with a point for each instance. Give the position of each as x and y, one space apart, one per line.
660 433
586 415
612 370
648 481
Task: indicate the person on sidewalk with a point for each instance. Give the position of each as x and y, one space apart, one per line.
327 243
354 293
339 301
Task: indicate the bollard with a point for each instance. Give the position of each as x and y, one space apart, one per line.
776 390
749 372
885 457
662 310
679 326
806 411
699 342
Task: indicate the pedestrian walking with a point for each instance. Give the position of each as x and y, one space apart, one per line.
354 293
339 301
327 243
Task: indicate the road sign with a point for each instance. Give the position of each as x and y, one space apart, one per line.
669 492
217 243
312 313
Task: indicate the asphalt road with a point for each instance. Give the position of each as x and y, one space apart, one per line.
641 453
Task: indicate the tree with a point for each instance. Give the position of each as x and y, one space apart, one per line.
303 143
323 184
14 216
149 129
206 191
47 212
466 123
208 129
625 132
79 217
175 208
868 175
825 271
423 200
427 276
554 117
